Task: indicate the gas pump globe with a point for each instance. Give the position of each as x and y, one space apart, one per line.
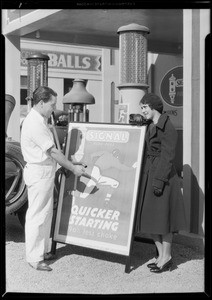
133 65
37 74
78 99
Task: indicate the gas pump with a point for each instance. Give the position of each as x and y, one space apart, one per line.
37 74
78 98
133 67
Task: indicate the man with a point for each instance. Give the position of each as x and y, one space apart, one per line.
41 155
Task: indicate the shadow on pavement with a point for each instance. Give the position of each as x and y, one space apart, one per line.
141 254
13 230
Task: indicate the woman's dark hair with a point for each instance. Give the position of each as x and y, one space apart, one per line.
43 93
153 101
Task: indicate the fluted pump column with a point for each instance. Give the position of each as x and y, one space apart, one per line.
37 74
133 65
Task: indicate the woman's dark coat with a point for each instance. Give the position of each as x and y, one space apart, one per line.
165 213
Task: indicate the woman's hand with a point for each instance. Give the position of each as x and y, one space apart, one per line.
157 192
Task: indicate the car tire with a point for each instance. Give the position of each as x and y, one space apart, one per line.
22 214
16 190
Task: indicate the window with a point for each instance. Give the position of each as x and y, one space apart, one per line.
23 101
23 90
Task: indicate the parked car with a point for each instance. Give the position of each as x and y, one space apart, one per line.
16 200
15 189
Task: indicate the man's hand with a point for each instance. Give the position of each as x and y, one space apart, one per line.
79 170
60 158
80 164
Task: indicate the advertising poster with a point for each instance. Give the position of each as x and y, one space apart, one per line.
122 113
97 210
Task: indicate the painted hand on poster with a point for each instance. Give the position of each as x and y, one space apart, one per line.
103 161
122 116
135 165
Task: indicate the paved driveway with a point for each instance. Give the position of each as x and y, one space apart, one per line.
79 270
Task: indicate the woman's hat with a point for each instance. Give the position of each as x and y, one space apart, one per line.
153 101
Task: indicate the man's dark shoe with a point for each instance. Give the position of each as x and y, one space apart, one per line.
49 256
40 266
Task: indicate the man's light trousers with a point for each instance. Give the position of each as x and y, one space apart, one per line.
40 183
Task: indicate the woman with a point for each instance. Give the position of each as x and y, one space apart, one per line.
161 209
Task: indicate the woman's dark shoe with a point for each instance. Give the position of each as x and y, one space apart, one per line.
166 267
152 265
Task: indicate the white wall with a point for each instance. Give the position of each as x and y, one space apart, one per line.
110 73
95 110
12 82
57 84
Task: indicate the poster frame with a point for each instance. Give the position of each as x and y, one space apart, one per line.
140 153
